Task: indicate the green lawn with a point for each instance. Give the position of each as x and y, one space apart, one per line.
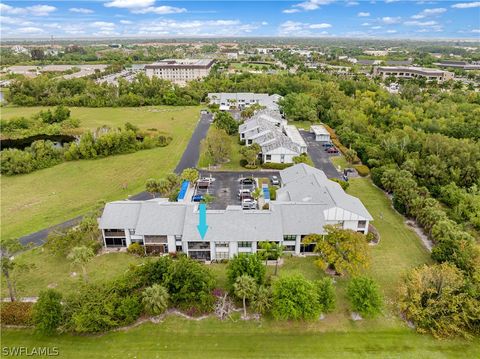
340 161
43 198
180 338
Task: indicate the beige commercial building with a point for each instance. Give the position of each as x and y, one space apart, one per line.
411 72
180 71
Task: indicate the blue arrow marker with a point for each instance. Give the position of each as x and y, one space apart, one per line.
202 220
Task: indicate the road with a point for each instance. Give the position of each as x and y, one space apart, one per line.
189 159
320 158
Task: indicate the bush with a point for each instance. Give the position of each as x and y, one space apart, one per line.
273 192
435 298
48 311
136 249
296 298
276 166
245 264
343 184
190 283
16 313
326 294
362 170
364 296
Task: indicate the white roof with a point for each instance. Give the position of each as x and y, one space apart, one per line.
319 130
293 133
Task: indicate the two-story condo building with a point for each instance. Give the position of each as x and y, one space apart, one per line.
305 203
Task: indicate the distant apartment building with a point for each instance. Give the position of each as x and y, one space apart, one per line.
242 100
474 65
410 72
180 71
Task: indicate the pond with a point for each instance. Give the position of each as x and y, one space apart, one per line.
21 143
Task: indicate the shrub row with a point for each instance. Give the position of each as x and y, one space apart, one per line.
16 313
276 166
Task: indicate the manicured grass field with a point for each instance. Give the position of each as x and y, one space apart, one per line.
340 161
180 338
43 198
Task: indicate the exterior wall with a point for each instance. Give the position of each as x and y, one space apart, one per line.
179 75
172 248
277 158
322 138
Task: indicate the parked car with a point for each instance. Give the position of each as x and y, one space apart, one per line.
275 181
249 203
332 150
206 179
247 181
203 184
242 192
197 198
327 144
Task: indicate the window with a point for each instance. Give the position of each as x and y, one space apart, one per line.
282 158
245 244
221 255
221 244
268 157
131 231
289 248
114 233
362 224
115 242
199 245
179 248
290 237
178 237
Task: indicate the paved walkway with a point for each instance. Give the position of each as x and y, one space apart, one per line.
189 159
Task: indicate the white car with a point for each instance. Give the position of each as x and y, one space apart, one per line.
275 181
243 192
248 203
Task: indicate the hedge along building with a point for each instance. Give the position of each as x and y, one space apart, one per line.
307 202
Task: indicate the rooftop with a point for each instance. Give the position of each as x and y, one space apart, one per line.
186 63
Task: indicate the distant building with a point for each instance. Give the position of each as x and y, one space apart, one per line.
242 100
410 72
17 49
376 52
180 71
232 55
475 65
320 132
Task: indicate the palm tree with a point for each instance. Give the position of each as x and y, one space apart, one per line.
245 288
266 248
261 301
277 252
155 299
81 256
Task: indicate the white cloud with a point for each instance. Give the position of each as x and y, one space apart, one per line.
80 10
390 1
29 30
160 10
391 31
420 23
264 23
296 28
308 5
363 14
366 24
429 12
390 20
320 26
476 31
130 4
376 27
35 10
466 5
126 22
353 3
14 21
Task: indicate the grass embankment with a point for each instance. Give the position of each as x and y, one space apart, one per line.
46 197
180 338
340 162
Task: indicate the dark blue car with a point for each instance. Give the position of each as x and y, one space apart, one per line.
197 198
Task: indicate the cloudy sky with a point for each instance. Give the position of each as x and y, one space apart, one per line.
151 18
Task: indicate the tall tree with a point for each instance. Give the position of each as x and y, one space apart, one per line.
7 248
245 288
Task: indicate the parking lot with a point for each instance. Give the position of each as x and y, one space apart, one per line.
319 156
224 188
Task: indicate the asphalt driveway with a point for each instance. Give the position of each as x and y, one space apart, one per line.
320 157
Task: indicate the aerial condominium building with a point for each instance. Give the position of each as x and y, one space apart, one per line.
306 202
180 71
411 72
